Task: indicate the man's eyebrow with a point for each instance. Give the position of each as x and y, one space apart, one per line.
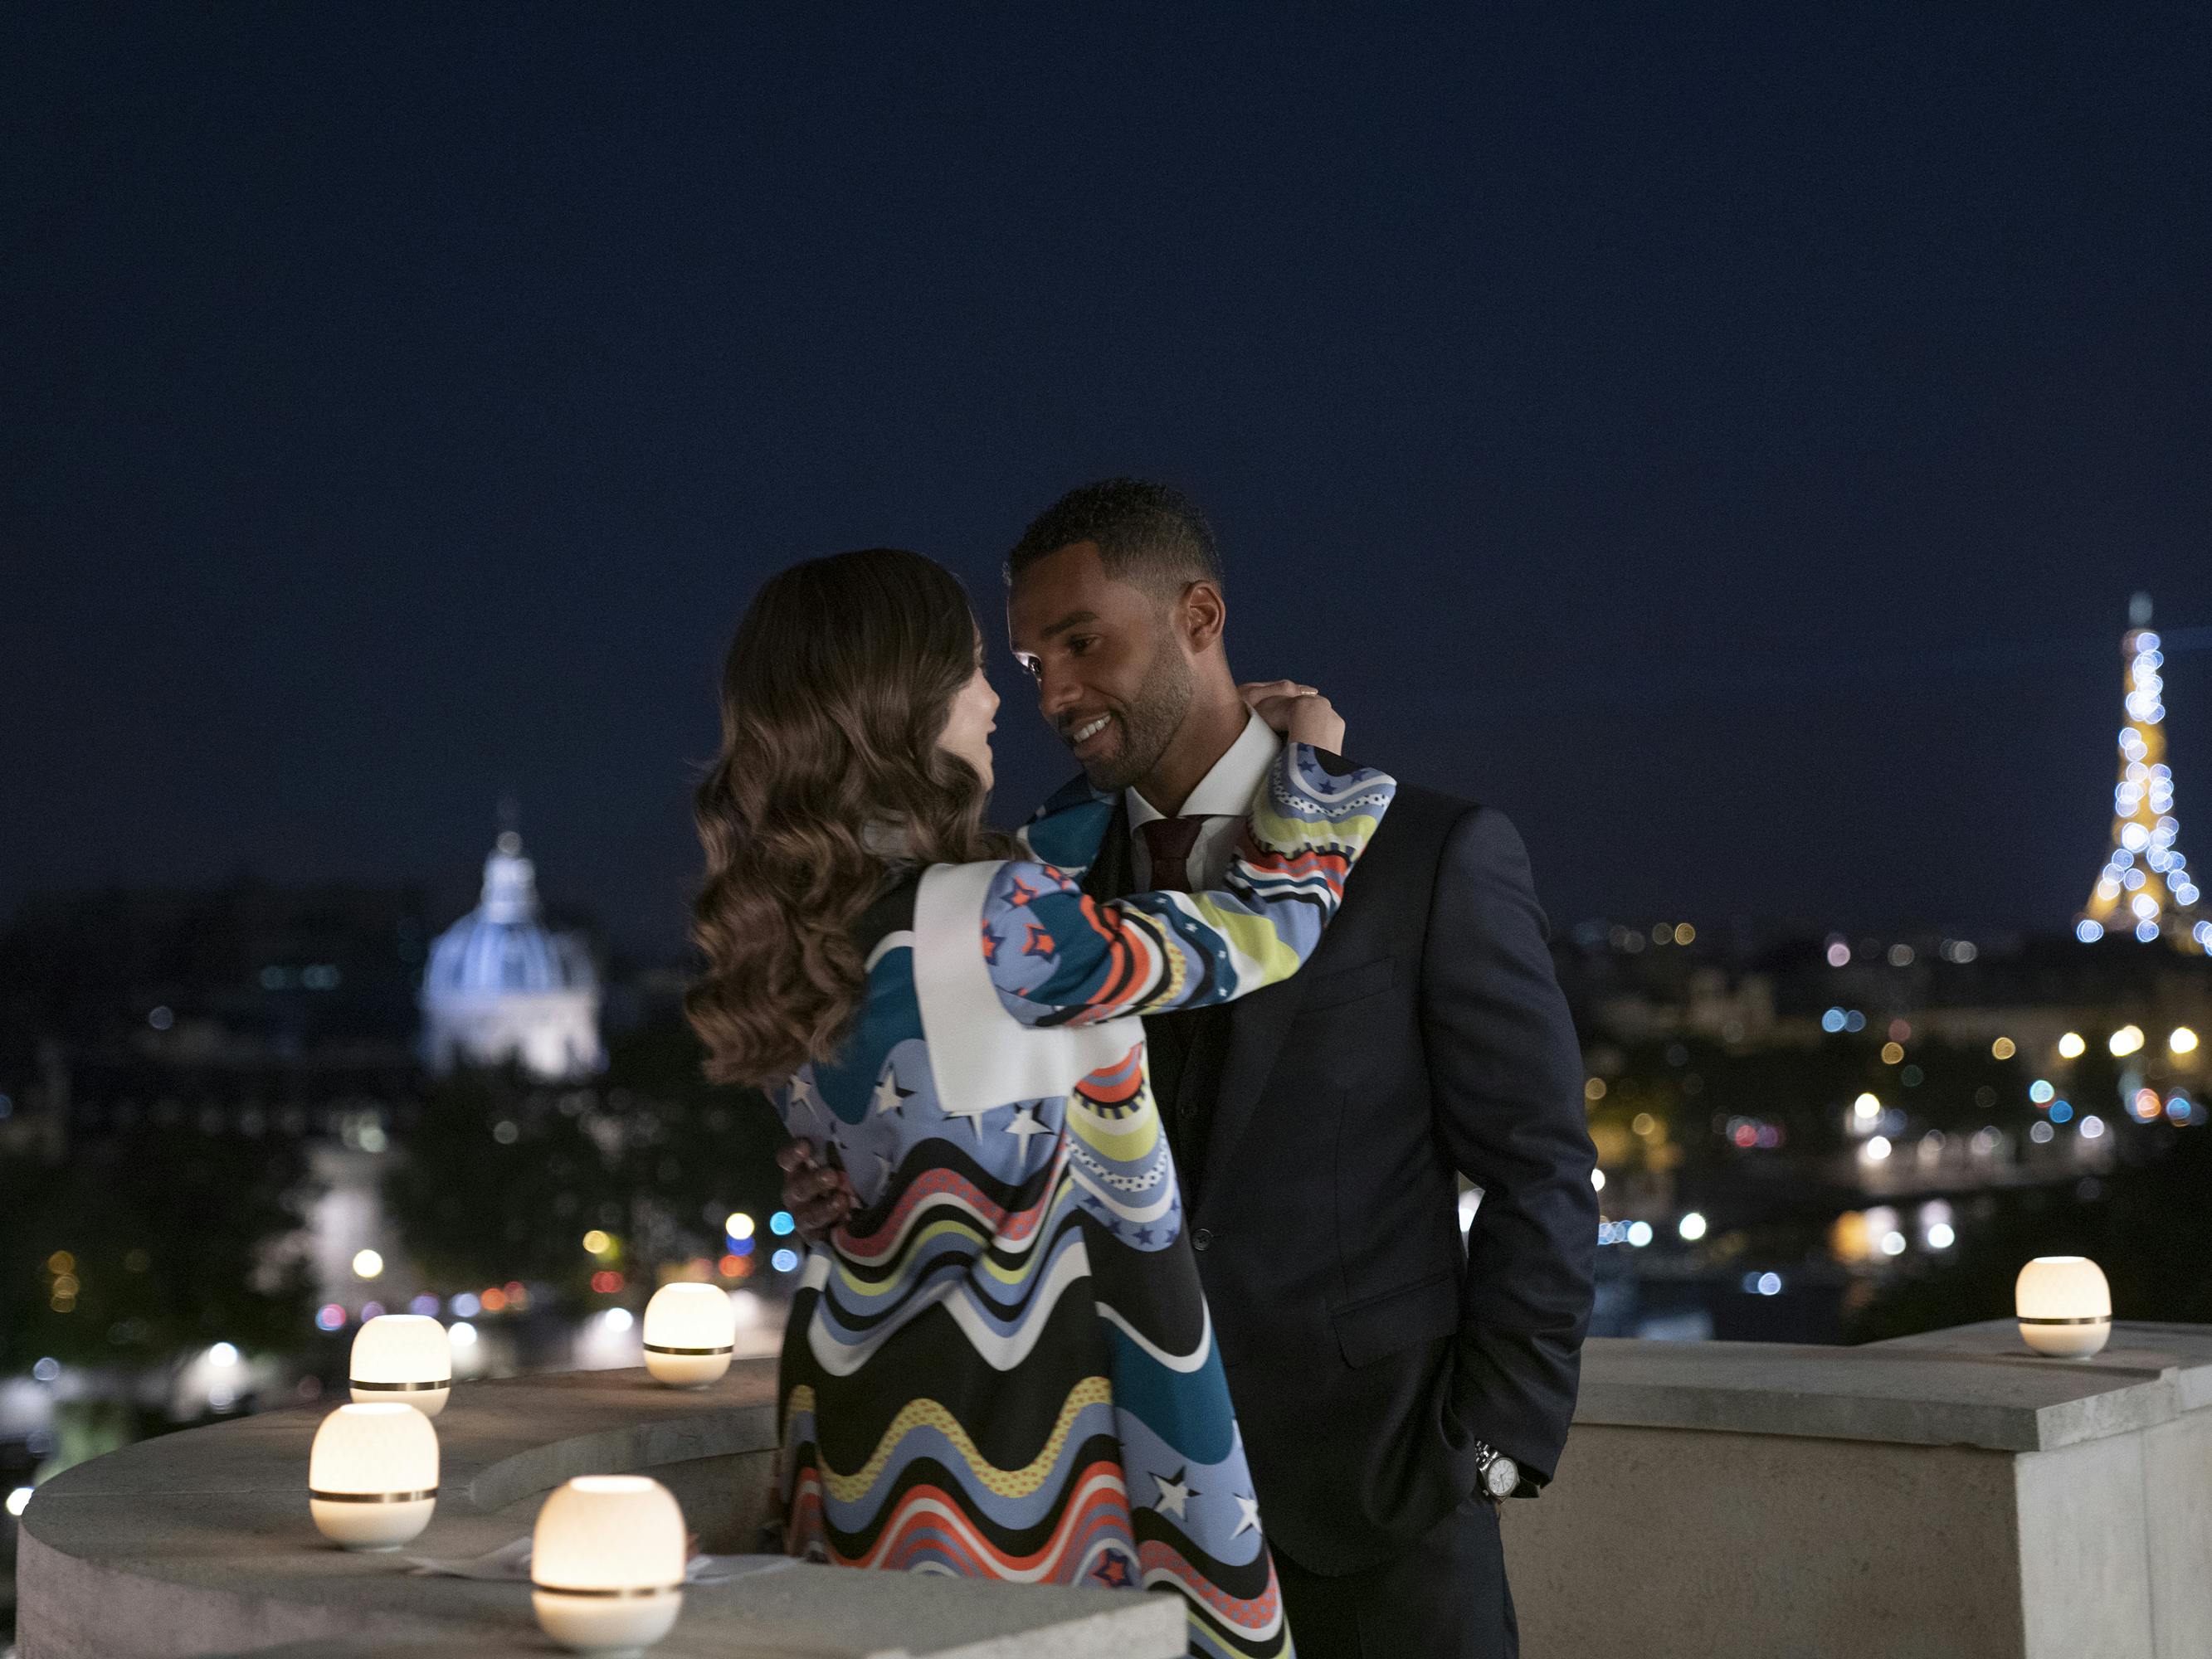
1073 619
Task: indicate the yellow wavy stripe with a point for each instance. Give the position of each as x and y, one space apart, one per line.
1279 832
1255 938
1125 1139
928 1413
967 1226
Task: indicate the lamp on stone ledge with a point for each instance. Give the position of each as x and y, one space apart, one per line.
373 1476
606 1563
406 1360
2064 1306
691 1332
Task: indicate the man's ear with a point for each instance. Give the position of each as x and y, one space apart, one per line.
1205 614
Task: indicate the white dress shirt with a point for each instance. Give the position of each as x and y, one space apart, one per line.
1223 799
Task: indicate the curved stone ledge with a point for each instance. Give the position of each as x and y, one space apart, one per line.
200 1543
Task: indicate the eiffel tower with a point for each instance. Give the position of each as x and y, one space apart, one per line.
2145 887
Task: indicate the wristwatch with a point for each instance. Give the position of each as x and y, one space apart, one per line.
1497 1476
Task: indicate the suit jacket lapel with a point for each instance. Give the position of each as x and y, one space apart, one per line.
1257 1025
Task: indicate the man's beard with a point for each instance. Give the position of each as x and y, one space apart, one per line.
1148 723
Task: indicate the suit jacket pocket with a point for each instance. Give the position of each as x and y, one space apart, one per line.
1343 985
1377 1327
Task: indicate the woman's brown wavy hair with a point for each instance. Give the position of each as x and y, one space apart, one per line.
835 690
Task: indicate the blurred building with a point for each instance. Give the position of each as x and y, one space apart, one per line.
250 1008
1632 984
503 987
1787 1122
251 971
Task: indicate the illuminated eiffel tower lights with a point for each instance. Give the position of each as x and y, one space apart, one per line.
2145 887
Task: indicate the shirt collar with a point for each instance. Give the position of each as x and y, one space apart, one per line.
1227 790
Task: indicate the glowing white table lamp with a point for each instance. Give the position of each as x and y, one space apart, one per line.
373 1476
2064 1306
404 1359
606 1563
691 1332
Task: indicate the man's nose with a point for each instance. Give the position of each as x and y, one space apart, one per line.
1057 690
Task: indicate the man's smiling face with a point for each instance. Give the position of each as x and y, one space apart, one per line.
1112 678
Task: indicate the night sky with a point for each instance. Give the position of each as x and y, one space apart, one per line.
1725 438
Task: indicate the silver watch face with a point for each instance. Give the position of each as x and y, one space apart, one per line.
1503 1475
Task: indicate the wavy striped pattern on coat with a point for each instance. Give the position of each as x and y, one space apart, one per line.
1002 1365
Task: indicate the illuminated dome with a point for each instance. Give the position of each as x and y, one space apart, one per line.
502 986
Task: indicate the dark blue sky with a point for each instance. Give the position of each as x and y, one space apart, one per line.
1724 437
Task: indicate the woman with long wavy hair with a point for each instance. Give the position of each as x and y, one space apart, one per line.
1000 1365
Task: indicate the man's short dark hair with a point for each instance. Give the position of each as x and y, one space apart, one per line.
1149 535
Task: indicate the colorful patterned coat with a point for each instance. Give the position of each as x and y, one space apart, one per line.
1002 1364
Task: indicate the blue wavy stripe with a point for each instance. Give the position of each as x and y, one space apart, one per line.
891 1015
1069 827
1211 1514
1186 1410
964 1240
973 1284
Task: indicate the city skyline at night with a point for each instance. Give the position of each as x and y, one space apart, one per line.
1706 1015
1728 444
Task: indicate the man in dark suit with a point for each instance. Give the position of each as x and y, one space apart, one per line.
1392 1385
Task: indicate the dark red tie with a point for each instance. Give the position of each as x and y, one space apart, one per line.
1169 841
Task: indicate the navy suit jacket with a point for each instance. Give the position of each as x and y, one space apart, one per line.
1426 1038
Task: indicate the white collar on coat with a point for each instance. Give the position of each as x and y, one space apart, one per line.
980 1055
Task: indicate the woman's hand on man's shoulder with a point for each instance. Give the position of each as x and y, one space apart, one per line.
1297 711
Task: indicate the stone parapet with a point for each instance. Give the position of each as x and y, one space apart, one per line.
1949 1495
199 1543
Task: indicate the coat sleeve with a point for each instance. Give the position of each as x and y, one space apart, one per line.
1506 1074
1058 957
